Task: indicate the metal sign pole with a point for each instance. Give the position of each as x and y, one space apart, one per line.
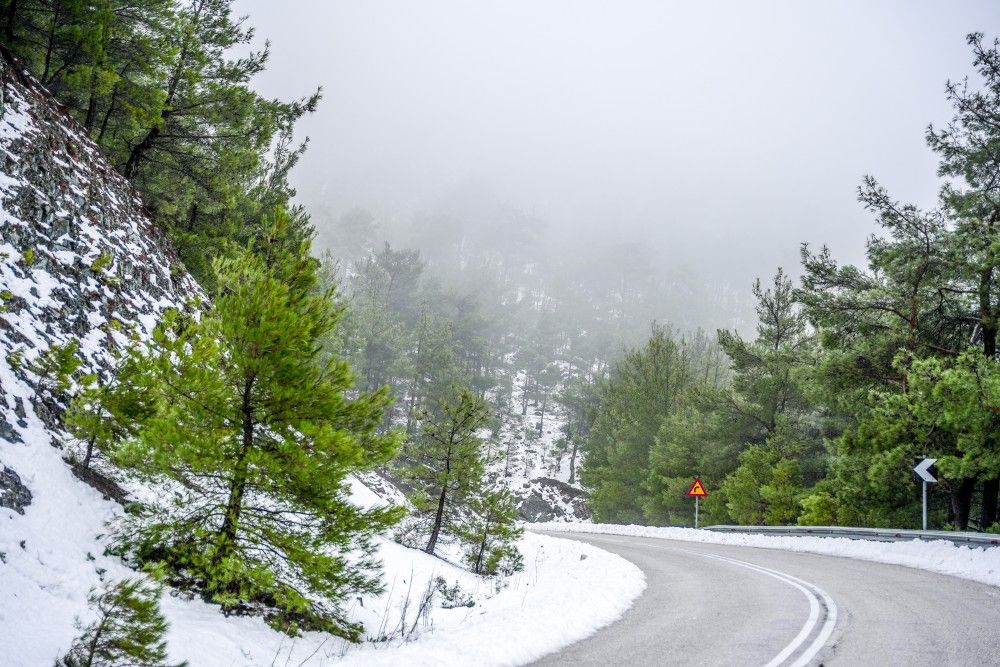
925 504
923 470
696 491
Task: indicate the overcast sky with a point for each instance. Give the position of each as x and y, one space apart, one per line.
723 133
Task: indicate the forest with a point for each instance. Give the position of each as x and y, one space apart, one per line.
853 376
326 344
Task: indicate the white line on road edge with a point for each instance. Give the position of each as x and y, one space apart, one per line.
808 589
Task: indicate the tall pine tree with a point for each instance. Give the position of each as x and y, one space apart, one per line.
259 429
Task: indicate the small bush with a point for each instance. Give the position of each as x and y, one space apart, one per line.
102 262
129 629
453 596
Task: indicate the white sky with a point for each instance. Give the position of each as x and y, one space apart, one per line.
721 133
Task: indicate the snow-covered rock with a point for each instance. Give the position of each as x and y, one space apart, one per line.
79 257
535 463
13 493
547 499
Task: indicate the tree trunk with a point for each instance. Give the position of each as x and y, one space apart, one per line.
572 464
991 489
139 151
234 506
88 661
988 322
524 396
478 567
410 421
50 46
438 520
91 117
107 114
193 216
90 452
962 502
10 19
410 425
541 422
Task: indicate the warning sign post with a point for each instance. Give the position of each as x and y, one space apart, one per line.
697 491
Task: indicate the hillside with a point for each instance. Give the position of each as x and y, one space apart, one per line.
80 261
79 258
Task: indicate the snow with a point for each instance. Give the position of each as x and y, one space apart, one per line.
566 591
559 598
533 454
980 564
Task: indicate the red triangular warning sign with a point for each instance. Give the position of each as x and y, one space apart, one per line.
697 489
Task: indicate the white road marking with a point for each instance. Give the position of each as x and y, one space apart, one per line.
811 591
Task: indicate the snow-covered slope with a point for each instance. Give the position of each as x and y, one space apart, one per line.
536 462
62 209
80 260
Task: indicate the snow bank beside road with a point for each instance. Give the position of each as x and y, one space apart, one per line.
567 591
558 599
973 563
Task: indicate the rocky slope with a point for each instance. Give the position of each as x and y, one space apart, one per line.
536 461
79 260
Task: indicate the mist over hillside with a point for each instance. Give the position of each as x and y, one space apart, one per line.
475 242
714 137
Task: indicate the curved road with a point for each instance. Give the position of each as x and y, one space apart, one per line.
708 604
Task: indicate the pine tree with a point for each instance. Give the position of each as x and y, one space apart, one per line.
129 630
967 147
490 533
433 364
204 141
261 428
765 488
54 369
157 85
766 413
645 388
448 463
104 413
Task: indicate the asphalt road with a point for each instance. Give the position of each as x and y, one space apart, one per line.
710 605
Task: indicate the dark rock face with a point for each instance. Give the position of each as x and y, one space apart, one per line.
63 208
547 499
13 494
7 432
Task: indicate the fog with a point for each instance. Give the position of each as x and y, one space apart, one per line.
716 136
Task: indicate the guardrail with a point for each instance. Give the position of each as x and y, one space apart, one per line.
879 534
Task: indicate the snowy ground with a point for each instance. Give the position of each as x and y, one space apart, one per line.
973 563
529 453
53 555
559 598
534 458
